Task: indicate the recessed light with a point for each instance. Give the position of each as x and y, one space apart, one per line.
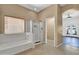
35 9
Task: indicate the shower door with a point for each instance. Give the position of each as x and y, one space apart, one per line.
36 31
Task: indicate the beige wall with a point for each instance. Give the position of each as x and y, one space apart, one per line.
15 11
70 6
50 28
48 12
54 10
58 26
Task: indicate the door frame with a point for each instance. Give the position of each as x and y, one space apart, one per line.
46 40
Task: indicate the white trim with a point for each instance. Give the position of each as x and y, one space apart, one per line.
54 33
45 31
30 26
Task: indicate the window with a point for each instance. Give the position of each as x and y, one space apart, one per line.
13 25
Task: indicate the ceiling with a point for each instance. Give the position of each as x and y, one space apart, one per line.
39 7
35 7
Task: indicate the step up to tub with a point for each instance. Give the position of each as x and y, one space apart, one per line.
15 43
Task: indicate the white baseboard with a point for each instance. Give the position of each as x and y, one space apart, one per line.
59 45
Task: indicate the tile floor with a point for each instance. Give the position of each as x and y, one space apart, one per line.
48 49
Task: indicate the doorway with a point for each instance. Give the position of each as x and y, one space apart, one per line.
36 28
50 30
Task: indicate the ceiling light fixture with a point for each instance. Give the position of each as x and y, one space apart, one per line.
69 16
35 9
